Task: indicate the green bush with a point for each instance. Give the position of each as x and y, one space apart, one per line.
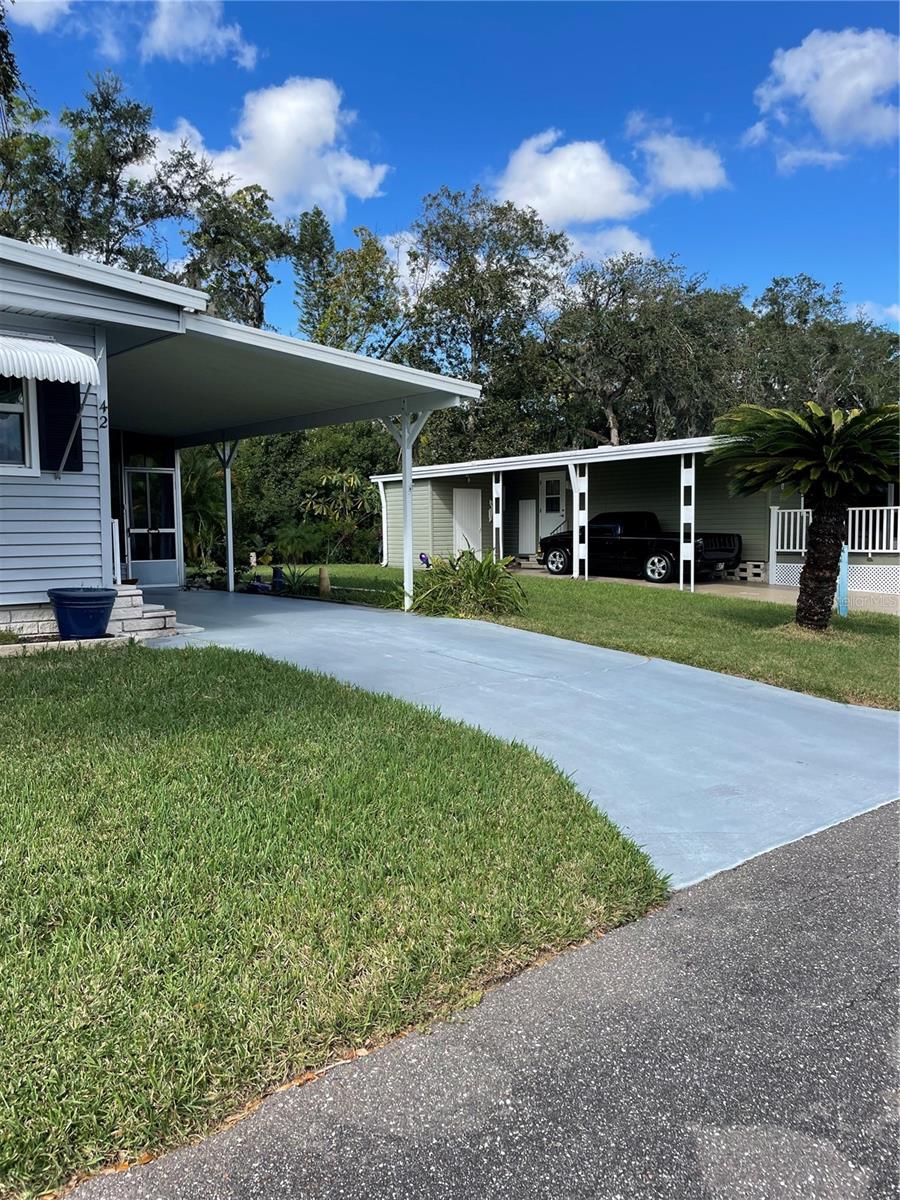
467 586
206 574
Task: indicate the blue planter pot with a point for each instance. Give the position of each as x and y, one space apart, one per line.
81 612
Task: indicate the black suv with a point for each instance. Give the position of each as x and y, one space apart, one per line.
632 543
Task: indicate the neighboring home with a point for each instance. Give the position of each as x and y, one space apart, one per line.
509 504
104 376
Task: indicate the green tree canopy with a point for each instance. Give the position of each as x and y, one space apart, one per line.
232 246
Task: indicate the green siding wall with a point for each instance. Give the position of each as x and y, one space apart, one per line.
432 516
422 503
442 511
651 485
719 512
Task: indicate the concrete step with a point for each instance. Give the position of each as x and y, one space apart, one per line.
162 618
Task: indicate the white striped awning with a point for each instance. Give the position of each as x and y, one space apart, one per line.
36 358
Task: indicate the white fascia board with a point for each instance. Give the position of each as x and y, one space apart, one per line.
561 458
70 265
262 339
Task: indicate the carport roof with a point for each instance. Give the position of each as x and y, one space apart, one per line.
561 458
218 381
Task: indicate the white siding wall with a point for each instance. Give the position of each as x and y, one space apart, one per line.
54 532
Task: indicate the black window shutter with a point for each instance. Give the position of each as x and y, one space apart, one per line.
58 405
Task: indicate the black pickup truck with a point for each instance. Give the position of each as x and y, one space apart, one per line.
632 543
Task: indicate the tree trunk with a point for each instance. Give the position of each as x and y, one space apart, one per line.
818 579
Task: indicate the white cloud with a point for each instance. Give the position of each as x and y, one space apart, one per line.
39 15
575 182
755 135
187 30
680 164
841 81
789 158
290 139
600 244
881 314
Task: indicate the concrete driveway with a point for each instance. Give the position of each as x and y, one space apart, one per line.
703 770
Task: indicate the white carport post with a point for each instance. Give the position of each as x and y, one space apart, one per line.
225 456
688 498
405 431
497 480
578 477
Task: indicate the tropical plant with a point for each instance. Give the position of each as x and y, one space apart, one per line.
830 458
467 586
295 581
203 504
297 540
205 574
348 502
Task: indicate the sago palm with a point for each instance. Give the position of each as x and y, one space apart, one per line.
830 458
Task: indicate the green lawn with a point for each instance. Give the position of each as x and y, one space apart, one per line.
220 871
856 661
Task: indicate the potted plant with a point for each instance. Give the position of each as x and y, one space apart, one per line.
81 612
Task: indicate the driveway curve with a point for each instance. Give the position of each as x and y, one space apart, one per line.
701 769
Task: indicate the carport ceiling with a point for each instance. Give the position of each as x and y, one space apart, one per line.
218 381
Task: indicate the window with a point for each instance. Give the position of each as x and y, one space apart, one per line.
59 412
18 427
552 496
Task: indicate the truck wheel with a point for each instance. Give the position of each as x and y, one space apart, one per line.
658 568
559 562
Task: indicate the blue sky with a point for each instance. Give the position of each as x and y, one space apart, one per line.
750 139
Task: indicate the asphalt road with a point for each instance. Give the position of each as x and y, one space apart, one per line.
739 1044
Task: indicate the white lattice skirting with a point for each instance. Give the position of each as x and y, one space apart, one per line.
883 578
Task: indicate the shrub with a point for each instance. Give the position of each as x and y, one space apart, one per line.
206 574
299 541
467 586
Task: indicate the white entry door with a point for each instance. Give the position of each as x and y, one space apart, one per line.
527 527
552 492
467 506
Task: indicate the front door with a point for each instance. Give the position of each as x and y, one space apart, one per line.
467 506
527 527
552 502
150 543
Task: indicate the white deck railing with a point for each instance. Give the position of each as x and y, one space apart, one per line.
869 530
873 530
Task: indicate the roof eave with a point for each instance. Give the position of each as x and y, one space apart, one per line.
485 466
57 263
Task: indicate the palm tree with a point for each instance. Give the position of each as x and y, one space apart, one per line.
830 458
202 503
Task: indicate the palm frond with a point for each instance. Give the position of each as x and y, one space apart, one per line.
833 454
